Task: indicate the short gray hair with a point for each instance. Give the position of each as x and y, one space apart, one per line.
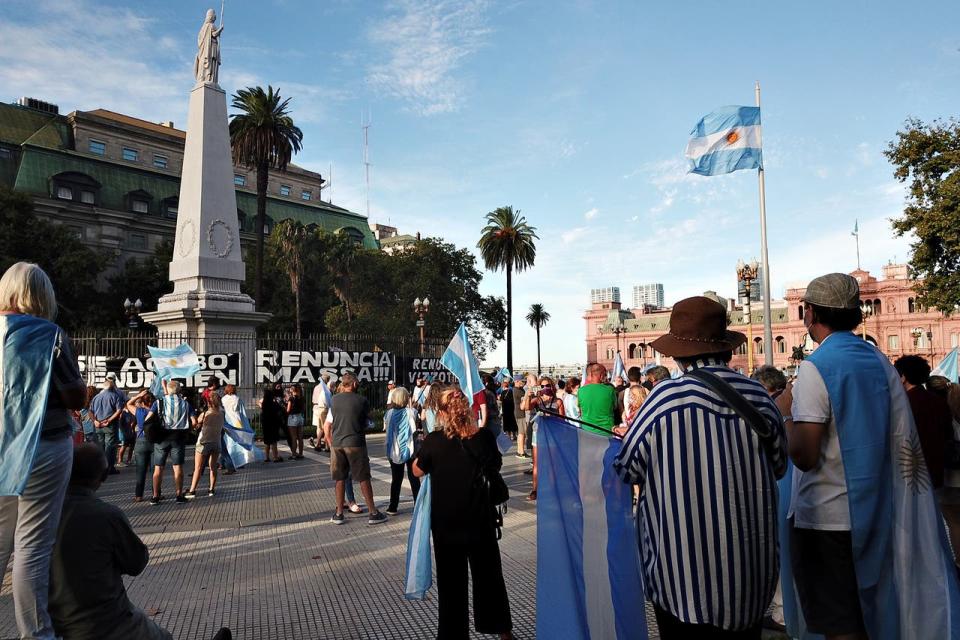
173 387
26 288
770 377
659 373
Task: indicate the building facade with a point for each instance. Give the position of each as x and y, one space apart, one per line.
648 295
893 321
114 181
606 294
392 241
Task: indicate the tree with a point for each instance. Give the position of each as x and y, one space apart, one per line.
144 278
290 238
928 156
537 317
507 242
73 268
263 136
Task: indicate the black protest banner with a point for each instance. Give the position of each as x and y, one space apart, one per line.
137 372
410 368
301 367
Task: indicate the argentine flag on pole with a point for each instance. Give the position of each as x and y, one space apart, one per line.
726 140
179 362
588 562
948 367
458 358
503 374
618 368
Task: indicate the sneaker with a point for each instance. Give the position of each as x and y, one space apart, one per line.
190 495
180 499
391 512
154 501
528 472
377 518
211 493
338 518
223 634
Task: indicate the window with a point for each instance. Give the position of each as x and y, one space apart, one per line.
130 155
893 343
919 337
780 344
88 197
305 194
169 207
137 241
98 148
65 193
140 206
241 220
239 180
159 161
631 352
800 311
76 232
876 307
5 153
911 307
758 346
954 340
284 190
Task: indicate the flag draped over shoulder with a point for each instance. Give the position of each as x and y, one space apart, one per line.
459 359
27 345
419 563
726 140
239 434
588 564
400 425
905 572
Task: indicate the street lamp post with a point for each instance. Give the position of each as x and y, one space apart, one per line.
421 308
747 273
867 311
132 311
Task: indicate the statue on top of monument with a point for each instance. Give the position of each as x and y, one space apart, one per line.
206 66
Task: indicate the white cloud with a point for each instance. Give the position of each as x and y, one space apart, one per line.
426 42
571 235
591 214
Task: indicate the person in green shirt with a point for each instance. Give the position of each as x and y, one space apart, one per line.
597 400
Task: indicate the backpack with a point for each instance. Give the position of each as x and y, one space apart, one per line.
153 427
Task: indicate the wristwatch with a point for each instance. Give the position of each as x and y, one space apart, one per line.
785 418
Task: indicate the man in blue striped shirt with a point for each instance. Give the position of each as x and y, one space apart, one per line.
707 511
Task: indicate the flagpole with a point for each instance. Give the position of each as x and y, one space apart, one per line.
767 320
856 234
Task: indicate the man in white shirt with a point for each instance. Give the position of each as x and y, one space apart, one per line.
320 409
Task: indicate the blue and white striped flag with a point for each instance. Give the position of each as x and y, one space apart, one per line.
458 358
726 140
618 368
239 434
503 374
588 562
27 346
179 362
948 367
419 560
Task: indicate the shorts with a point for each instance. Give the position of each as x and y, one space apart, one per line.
174 446
533 438
826 580
209 448
349 460
295 420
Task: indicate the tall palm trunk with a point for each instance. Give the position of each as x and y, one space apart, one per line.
510 316
296 304
262 175
539 368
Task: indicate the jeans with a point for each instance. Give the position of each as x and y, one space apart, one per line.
396 481
348 491
107 439
28 529
143 454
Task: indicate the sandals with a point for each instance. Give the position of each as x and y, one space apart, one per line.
355 508
533 496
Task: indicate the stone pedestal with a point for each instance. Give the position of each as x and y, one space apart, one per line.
206 307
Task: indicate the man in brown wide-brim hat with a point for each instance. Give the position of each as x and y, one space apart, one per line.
707 474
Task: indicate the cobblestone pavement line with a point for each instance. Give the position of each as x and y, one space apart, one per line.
262 557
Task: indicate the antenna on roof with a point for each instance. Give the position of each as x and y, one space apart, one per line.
366 150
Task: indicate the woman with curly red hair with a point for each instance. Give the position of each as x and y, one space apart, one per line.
462 527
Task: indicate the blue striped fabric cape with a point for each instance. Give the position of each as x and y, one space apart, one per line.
27 346
905 571
400 425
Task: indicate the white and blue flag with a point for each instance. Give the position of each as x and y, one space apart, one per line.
459 359
618 368
419 559
179 362
503 374
948 367
726 140
588 562
239 435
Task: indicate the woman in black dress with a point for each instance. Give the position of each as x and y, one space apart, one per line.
270 421
463 533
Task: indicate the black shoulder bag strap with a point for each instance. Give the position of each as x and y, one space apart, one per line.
735 400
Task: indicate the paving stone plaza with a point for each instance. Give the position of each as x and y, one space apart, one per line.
262 557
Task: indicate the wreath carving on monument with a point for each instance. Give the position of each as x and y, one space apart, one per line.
187 236
211 241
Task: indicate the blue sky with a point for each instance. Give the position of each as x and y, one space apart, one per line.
577 113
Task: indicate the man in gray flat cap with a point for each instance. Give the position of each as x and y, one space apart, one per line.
862 539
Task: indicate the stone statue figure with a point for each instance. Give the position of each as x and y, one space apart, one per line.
206 66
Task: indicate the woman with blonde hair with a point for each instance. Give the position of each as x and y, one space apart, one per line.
208 446
400 425
463 530
295 421
41 386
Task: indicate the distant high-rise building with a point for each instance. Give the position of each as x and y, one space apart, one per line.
607 294
648 295
756 288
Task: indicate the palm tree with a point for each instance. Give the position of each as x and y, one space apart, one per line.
507 243
262 136
290 238
537 317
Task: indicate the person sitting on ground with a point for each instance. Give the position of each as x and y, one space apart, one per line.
95 547
208 445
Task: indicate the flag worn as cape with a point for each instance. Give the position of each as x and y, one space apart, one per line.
905 572
27 348
419 563
399 425
239 434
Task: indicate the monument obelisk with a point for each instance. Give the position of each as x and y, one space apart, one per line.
207 266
